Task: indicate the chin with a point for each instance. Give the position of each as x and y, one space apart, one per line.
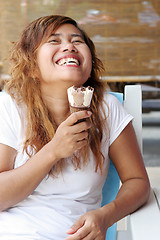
75 81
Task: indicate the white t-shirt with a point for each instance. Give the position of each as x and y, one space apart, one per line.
57 202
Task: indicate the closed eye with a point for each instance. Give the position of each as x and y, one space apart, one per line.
54 41
78 41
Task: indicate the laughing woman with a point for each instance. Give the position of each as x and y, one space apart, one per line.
52 170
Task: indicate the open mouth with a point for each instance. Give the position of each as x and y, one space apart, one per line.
68 61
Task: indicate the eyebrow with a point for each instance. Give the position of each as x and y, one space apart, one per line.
72 35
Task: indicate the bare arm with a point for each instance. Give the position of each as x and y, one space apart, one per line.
128 161
17 184
134 192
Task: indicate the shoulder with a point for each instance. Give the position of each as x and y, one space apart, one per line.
5 99
112 99
111 103
11 121
8 105
117 116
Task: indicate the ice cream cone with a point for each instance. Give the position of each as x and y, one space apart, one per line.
80 99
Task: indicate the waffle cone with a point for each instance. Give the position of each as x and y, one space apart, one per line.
77 109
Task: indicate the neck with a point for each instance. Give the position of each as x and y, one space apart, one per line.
57 102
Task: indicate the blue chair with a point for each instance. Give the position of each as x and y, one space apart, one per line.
111 185
133 104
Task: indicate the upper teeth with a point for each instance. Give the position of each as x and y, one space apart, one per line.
68 61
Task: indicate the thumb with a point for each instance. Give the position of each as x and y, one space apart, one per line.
77 225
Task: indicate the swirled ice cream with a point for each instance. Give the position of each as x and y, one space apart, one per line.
79 98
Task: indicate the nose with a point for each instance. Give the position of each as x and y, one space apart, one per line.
69 47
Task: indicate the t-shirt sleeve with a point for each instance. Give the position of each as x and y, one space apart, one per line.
118 118
9 123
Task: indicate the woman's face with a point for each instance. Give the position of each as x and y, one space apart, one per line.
64 58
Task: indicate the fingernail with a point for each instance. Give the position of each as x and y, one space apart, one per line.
69 231
89 113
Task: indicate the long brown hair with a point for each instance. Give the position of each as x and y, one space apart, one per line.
23 87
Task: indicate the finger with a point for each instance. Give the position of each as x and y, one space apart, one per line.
82 126
81 233
81 136
81 144
78 136
90 236
74 117
78 224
